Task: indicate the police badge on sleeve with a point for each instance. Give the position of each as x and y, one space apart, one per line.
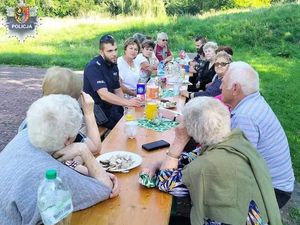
21 21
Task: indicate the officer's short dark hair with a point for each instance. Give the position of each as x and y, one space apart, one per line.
106 39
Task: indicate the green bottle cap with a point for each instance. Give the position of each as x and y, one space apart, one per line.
51 174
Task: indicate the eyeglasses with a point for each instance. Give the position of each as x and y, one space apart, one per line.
222 64
106 38
164 39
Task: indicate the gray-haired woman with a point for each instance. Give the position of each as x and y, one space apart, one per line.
226 178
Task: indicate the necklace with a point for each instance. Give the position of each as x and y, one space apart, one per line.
130 64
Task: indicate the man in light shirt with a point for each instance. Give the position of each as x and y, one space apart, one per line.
252 114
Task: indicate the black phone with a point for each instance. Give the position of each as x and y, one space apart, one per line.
155 145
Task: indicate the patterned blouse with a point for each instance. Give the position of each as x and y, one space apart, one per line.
170 180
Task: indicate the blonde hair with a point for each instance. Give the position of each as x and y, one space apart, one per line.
52 120
207 120
60 80
225 55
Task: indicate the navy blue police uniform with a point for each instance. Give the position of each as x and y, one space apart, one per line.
100 74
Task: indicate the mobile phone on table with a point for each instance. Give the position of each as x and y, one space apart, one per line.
155 145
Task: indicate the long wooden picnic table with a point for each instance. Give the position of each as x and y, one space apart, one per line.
136 205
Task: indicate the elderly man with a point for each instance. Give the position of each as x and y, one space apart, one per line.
53 123
101 81
252 114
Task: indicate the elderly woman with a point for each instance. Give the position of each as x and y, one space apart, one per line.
161 50
146 61
128 69
207 73
226 178
58 80
53 124
222 61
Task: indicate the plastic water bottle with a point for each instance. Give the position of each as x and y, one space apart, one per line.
160 69
182 56
54 199
152 89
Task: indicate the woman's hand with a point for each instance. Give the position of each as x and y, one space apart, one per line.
70 152
151 168
116 187
184 93
87 103
181 134
180 140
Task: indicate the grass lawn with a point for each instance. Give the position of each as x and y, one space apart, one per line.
268 39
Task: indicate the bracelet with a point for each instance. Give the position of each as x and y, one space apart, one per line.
172 155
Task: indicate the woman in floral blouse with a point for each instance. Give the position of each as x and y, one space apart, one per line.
226 178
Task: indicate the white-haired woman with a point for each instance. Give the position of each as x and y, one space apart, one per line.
226 178
207 73
161 49
59 80
59 117
53 124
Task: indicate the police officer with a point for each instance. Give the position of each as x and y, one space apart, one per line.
101 81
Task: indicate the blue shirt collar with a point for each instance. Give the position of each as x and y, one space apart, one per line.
247 98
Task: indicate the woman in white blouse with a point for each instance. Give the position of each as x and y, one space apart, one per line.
128 69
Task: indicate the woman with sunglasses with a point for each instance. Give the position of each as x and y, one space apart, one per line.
161 49
222 61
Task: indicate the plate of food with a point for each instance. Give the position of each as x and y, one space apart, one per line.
119 161
167 104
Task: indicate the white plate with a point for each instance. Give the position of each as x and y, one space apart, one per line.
137 160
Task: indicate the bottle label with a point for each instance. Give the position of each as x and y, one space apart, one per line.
56 213
152 92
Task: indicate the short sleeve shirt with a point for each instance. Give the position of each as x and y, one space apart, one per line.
162 52
100 74
129 75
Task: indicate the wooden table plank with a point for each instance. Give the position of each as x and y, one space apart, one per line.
136 205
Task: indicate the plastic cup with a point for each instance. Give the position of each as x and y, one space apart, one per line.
129 114
151 110
130 129
176 89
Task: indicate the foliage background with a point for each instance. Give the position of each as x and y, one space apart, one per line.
62 8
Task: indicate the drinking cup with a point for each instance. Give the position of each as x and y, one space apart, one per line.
129 113
130 129
176 89
151 110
